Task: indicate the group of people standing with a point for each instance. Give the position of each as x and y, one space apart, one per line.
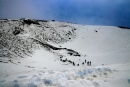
88 63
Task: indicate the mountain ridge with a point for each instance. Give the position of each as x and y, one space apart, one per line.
23 33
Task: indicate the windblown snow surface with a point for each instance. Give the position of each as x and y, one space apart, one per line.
40 53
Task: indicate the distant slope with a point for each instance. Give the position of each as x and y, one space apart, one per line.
22 37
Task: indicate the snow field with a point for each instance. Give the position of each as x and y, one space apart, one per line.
62 78
107 47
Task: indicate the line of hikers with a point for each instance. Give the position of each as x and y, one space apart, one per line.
88 63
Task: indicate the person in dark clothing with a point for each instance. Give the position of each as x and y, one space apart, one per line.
73 64
77 64
85 60
88 63
63 60
69 61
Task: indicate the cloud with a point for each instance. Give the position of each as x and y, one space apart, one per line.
103 12
17 9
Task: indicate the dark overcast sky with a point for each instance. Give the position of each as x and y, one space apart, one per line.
90 12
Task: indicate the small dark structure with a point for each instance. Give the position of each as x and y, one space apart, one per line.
83 63
60 59
77 64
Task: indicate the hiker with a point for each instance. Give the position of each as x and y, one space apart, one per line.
63 60
61 56
88 63
69 61
77 64
73 63
85 60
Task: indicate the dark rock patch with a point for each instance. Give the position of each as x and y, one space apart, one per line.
29 21
122 27
42 20
128 81
16 32
70 51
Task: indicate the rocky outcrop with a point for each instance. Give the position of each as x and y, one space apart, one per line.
22 37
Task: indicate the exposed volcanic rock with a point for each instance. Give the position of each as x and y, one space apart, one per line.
23 36
122 27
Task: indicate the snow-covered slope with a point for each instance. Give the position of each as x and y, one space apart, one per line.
40 53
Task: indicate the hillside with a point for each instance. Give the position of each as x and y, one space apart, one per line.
40 53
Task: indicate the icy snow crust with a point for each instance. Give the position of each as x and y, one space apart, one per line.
60 78
40 53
